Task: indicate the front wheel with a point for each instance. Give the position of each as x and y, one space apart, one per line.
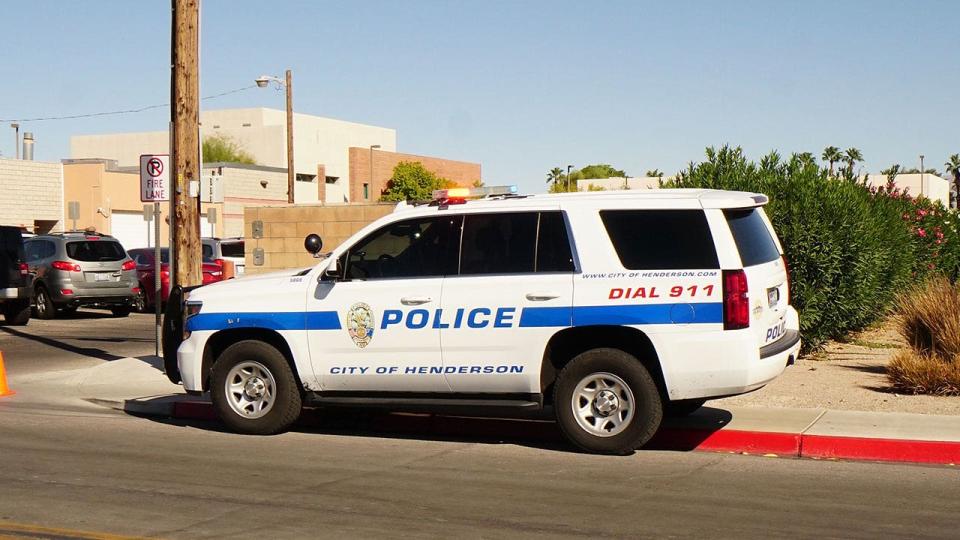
606 402
253 389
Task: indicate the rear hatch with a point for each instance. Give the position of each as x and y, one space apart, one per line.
766 272
11 256
234 251
100 262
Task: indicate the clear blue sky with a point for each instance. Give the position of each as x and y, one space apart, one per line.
519 86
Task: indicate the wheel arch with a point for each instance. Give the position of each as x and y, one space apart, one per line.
220 341
569 342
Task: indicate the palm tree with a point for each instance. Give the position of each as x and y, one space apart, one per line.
806 158
852 156
953 167
555 175
654 173
831 155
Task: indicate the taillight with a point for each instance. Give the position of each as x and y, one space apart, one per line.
128 265
786 268
736 301
219 262
24 269
65 266
66 292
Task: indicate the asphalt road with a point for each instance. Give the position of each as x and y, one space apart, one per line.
118 474
83 339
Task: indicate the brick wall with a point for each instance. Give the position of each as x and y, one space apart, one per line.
242 188
285 227
460 172
31 191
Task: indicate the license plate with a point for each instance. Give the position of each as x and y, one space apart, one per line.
776 332
773 297
101 277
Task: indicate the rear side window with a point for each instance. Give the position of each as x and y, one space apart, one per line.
498 243
752 236
231 249
661 239
95 250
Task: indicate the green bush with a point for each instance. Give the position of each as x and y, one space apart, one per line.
851 249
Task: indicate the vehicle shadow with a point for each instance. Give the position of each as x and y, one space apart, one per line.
62 345
541 433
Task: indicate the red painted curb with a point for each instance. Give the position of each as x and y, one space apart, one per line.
866 449
749 442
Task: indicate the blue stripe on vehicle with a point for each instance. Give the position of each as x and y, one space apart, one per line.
316 320
700 313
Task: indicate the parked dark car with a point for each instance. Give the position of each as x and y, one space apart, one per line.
144 259
14 277
76 269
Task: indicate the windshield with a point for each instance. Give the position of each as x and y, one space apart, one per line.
96 251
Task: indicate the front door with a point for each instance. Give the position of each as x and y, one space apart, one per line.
373 328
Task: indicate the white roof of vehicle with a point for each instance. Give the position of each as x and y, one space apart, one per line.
703 198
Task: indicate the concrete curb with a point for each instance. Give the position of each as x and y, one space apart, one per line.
795 445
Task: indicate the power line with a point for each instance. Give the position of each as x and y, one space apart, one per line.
125 111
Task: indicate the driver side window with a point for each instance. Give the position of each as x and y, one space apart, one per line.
414 248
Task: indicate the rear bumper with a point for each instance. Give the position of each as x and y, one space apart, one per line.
116 296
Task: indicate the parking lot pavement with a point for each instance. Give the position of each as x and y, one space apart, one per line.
86 338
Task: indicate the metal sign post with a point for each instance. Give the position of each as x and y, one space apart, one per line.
154 181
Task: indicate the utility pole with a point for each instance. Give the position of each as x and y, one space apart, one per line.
291 174
185 151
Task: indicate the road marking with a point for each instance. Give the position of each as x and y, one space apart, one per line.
18 531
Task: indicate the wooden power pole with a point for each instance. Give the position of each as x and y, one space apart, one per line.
291 172
185 149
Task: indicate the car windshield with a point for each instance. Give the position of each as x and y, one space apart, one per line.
231 249
96 251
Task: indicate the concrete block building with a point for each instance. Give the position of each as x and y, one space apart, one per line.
31 195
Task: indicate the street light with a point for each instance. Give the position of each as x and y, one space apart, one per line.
568 176
366 192
263 81
16 139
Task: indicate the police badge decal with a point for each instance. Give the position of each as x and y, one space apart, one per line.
360 324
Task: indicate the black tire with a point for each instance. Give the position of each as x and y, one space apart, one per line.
140 304
287 401
682 407
121 311
636 430
43 306
17 312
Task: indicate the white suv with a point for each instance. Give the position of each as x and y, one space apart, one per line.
610 309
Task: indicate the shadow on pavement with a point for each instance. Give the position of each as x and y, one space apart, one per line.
675 434
50 342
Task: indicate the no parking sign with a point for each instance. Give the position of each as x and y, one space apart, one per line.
154 177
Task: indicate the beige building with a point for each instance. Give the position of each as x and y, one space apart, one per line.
321 155
109 199
31 195
612 184
930 186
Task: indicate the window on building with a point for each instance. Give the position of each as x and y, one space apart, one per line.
306 177
332 179
661 239
366 191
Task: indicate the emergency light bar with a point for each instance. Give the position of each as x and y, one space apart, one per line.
463 193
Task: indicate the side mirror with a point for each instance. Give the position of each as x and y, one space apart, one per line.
313 244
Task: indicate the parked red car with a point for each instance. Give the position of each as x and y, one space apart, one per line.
212 273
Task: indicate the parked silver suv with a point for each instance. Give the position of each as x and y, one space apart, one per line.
76 269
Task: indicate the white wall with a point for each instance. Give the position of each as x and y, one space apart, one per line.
31 191
612 184
929 185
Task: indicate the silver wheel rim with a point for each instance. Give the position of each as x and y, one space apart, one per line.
603 404
41 302
250 389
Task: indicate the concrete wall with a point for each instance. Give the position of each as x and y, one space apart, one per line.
31 195
284 229
248 186
460 172
929 185
262 133
613 184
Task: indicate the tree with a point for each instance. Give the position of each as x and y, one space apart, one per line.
654 173
891 173
555 176
953 167
852 156
600 170
831 155
806 158
222 148
411 181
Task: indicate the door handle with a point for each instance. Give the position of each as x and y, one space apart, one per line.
415 300
541 296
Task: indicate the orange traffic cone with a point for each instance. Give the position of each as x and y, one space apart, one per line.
4 389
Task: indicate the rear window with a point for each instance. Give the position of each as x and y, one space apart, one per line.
752 236
231 249
661 239
95 250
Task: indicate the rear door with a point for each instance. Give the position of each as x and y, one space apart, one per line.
763 264
100 261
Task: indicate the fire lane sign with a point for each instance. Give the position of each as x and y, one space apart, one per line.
154 177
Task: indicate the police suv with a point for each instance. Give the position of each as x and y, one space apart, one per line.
609 308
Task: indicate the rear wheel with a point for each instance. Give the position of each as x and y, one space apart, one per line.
607 402
253 389
140 304
43 304
682 407
17 312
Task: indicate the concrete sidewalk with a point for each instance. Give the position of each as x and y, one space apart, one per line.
137 386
